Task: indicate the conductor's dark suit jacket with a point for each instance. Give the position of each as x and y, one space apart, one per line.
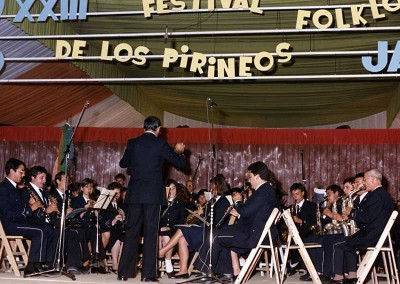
146 155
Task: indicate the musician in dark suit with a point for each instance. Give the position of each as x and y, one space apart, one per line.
88 220
371 218
76 249
220 206
304 216
145 155
252 216
15 209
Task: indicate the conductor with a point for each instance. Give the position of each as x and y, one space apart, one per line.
146 155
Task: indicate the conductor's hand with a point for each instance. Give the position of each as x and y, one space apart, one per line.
179 148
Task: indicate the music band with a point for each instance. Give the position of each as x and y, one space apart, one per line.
151 219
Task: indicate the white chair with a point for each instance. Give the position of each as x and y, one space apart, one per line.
300 246
256 252
387 252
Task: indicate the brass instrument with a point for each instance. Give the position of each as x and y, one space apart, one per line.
317 228
350 223
191 218
335 227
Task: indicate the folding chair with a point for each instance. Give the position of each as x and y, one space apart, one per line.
256 252
391 272
300 246
15 252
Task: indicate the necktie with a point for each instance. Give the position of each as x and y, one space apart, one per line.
297 209
42 197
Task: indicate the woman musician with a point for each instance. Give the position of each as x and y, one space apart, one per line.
194 238
113 225
88 219
173 214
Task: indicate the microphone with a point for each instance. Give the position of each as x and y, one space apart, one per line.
87 104
166 34
212 103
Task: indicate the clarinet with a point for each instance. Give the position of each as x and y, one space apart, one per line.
36 198
228 210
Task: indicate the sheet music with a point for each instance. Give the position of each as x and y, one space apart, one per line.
104 199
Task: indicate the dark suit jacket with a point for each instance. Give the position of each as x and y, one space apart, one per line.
146 155
371 218
253 216
308 214
13 207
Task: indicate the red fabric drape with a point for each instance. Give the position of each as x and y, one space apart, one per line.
329 155
221 135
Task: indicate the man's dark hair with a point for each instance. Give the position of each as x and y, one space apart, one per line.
236 189
359 175
114 185
201 192
121 176
335 188
58 176
36 170
298 185
259 168
87 181
152 123
349 180
13 164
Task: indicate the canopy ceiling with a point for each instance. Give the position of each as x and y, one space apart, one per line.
296 102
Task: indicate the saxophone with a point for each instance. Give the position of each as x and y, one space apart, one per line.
317 229
350 222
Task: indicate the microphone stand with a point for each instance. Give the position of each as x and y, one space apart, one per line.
61 240
210 277
67 196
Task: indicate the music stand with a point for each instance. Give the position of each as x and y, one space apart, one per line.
102 203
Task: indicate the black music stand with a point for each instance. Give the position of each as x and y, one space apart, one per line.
102 203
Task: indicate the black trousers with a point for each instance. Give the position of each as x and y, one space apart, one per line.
43 240
73 248
147 215
344 256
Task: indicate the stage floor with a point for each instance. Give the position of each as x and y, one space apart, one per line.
8 278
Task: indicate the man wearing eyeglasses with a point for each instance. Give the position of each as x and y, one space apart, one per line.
371 218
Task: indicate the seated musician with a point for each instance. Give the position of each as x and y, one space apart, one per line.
327 231
113 229
371 217
332 210
77 253
304 214
16 208
252 216
187 238
89 223
173 214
